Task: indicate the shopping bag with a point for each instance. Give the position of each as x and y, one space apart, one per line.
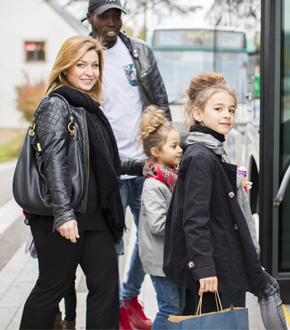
224 319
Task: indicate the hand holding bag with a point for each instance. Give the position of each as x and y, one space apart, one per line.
231 318
30 187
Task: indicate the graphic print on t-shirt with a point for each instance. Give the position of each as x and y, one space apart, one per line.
131 74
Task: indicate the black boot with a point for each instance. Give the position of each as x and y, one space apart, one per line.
69 325
58 322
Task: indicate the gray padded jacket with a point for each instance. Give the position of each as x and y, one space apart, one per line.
155 201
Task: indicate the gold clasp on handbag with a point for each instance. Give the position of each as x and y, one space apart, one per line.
71 131
32 131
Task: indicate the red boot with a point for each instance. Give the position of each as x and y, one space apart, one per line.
124 323
136 314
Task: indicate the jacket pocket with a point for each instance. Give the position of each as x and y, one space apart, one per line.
221 254
144 74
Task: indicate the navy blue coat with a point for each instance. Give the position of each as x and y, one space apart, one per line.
206 233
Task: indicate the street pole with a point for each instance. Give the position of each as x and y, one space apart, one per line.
215 43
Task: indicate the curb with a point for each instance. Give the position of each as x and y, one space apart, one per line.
9 213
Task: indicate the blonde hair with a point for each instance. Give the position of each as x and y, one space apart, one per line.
201 88
153 130
70 52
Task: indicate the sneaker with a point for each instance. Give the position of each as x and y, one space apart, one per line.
136 314
124 323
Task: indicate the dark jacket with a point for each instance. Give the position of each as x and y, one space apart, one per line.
206 233
150 83
52 118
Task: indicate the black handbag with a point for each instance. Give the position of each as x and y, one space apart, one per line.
30 187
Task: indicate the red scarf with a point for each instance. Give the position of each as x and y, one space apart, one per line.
161 173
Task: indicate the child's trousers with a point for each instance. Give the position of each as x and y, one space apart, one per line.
170 299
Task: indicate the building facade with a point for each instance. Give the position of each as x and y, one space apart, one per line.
29 42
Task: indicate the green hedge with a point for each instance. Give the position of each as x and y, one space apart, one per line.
11 150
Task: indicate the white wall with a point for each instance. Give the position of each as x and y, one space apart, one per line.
20 21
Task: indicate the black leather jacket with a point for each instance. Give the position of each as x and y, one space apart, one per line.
52 118
150 83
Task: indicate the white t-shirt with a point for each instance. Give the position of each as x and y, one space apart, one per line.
122 103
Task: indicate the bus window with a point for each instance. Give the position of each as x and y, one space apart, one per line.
234 68
177 68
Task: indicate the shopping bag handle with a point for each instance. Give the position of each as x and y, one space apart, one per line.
218 304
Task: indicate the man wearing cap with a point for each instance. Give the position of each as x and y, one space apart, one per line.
131 82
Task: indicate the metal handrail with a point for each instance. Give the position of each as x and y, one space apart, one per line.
281 192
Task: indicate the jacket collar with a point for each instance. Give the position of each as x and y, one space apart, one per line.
130 44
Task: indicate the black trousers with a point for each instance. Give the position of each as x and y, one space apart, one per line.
58 259
70 302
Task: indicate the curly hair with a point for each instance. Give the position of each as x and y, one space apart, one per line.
153 130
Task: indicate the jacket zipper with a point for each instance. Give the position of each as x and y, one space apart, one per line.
88 153
135 57
145 73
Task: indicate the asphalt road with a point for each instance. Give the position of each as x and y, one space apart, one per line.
15 235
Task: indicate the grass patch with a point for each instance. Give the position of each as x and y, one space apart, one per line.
11 150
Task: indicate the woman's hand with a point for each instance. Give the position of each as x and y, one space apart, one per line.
208 284
69 230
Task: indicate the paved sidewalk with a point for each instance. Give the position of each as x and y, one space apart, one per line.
18 276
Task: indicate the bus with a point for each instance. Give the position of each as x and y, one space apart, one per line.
181 53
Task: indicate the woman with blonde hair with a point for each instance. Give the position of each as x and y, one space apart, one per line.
84 234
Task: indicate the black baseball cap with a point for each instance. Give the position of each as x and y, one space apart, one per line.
100 6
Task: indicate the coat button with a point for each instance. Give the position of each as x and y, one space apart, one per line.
236 227
191 264
231 194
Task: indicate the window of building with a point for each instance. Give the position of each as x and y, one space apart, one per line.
35 51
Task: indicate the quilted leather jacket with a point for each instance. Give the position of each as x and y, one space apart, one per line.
150 82
52 118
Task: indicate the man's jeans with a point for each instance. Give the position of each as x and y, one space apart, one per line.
170 298
131 191
271 305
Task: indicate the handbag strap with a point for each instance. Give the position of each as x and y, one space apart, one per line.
71 123
217 300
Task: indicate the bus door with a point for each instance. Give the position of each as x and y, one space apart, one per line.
275 143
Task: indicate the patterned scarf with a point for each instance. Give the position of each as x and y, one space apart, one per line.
161 173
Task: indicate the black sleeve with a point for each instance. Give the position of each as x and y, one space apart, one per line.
196 215
131 166
51 125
